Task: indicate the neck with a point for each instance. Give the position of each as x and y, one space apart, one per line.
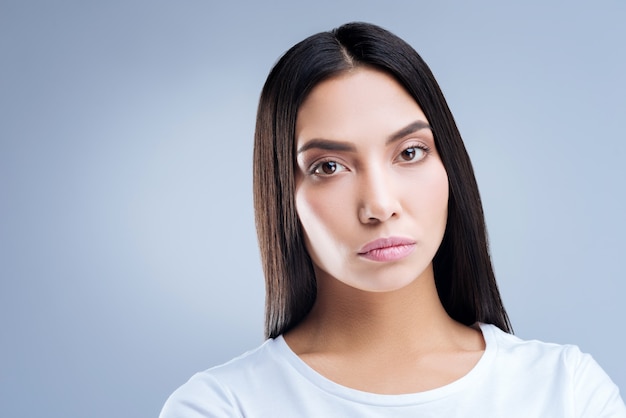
345 318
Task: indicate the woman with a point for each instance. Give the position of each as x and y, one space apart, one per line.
381 297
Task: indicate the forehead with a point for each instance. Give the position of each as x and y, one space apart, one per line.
362 101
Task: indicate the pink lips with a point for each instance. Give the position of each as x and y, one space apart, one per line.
387 249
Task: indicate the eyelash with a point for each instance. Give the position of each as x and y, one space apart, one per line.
318 165
416 146
421 147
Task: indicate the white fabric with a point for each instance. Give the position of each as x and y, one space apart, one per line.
513 378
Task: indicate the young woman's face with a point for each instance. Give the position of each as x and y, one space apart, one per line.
371 190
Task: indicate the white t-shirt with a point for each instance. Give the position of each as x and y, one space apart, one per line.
513 378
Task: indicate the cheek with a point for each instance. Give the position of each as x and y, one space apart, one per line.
432 200
317 211
324 214
311 214
443 193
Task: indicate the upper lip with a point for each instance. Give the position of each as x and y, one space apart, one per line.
385 243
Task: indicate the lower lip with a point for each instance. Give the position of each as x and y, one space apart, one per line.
395 253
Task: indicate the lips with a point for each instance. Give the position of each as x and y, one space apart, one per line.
387 249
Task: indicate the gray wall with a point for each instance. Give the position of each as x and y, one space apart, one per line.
128 255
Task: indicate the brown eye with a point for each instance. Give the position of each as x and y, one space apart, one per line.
412 154
409 154
329 167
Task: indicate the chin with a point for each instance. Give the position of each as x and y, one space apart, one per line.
381 285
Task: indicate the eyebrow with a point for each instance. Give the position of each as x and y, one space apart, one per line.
329 145
326 144
418 125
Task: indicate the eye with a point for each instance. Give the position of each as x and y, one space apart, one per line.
413 153
327 168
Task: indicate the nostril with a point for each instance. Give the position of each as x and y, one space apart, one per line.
375 213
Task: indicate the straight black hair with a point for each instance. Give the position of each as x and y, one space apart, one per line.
463 271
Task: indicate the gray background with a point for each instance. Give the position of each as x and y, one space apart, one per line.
128 256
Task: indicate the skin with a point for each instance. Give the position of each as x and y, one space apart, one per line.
367 168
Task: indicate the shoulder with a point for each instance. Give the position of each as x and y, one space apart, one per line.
511 345
561 370
210 393
534 352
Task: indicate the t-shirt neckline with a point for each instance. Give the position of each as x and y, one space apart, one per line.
479 370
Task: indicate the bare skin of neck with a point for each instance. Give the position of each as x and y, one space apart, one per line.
385 342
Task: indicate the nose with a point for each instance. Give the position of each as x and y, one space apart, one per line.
378 200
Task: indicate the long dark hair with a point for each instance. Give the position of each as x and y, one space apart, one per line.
463 272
